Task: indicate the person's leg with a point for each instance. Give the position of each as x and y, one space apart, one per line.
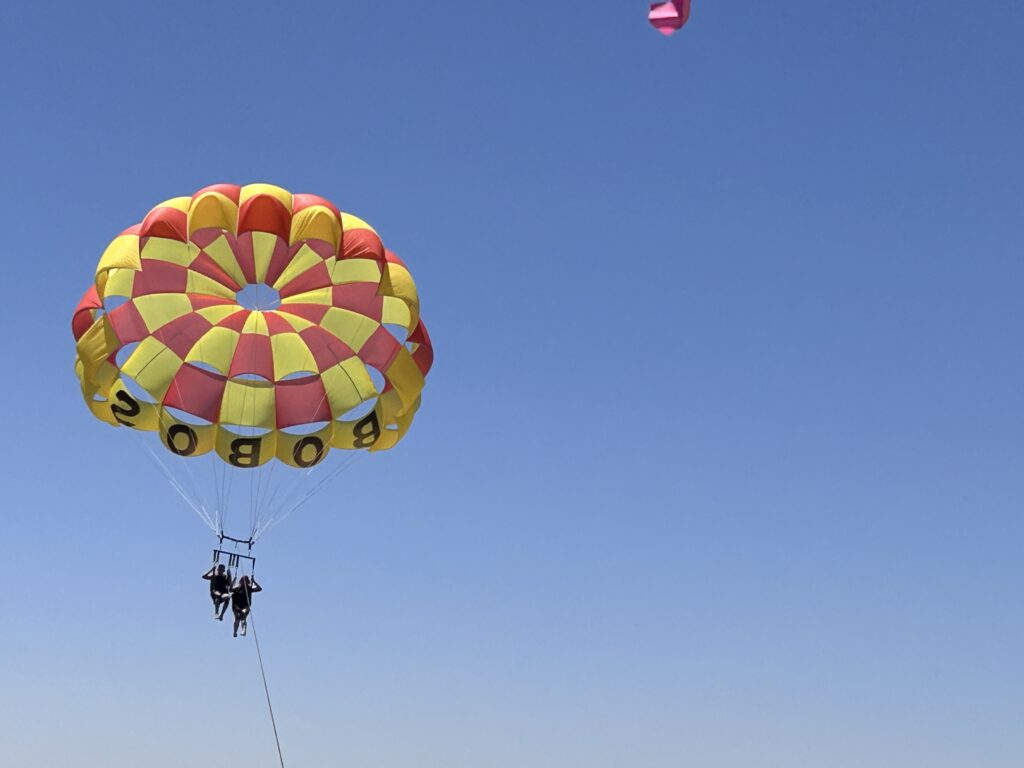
236 626
245 621
223 608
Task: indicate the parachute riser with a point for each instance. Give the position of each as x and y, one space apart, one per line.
222 537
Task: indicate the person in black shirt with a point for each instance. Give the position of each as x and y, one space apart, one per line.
220 589
241 597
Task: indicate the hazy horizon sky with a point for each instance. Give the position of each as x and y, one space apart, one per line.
720 462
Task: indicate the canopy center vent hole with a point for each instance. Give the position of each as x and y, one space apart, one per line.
258 296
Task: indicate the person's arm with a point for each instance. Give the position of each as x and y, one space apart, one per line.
255 587
209 574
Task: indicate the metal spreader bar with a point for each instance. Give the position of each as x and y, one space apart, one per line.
234 559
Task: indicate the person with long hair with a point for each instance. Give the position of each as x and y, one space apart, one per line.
241 602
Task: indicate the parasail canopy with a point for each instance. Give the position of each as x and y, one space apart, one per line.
255 326
250 322
669 17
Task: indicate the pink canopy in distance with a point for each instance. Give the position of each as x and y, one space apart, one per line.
669 17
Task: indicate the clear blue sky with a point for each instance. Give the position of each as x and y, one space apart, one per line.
720 464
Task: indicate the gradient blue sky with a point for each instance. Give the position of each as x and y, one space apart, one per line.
720 464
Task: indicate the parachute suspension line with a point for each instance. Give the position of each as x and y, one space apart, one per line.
190 496
265 507
216 495
263 486
291 486
218 512
262 501
226 475
218 491
181 481
196 490
196 487
321 484
229 479
253 489
218 485
197 506
266 689
252 484
283 496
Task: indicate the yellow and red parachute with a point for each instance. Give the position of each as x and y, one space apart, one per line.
167 343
